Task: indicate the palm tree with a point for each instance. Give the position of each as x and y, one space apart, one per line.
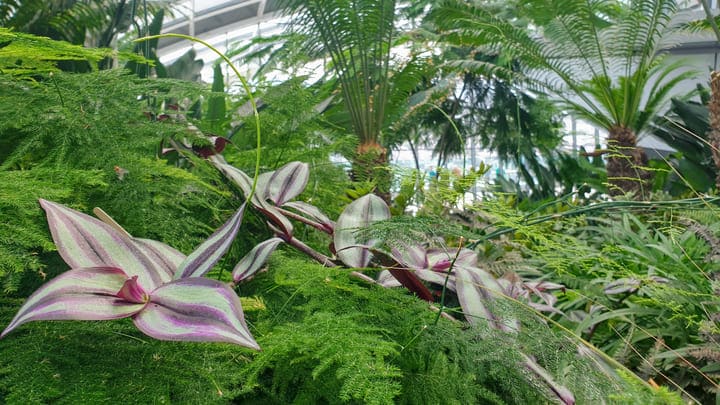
603 59
714 104
357 35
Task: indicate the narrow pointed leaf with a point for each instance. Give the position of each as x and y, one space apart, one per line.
202 259
79 294
288 182
562 393
281 222
476 289
252 262
163 256
239 177
312 212
84 241
195 309
357 215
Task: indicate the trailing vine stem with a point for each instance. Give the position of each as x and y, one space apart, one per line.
245 85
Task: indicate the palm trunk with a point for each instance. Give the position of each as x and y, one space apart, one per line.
714 116
627 164
371 164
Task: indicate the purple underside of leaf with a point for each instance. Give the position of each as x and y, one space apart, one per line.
195 309
84 241
358 215
202 259
78 294
252 262
287 182
410 281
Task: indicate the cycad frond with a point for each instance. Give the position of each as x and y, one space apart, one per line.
357 35
599 56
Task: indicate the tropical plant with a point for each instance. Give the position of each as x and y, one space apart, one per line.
691 168
602 60
358 36
638 280
114 275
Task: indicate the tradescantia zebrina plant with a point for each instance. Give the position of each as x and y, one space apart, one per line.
409 265
114 275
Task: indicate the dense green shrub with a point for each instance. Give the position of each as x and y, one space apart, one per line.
326 338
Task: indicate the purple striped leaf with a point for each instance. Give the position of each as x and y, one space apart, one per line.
622 286
287 182
563 394
476 289
436 278
88 294
413 256
439 258
239 177
252 262
195 309
312 212
84 241
281 223
261 190
357 215
163 256
204 257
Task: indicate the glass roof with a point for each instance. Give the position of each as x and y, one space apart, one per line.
221 23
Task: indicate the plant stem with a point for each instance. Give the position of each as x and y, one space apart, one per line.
304 220
319 257
245 85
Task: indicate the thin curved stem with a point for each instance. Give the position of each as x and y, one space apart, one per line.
245 85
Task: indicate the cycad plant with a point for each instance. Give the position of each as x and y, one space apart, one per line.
357 36
602 59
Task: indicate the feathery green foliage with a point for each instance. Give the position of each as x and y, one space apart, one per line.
639 286
24 238
84 140
328 338
23 54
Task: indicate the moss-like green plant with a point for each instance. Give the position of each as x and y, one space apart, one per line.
330 339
